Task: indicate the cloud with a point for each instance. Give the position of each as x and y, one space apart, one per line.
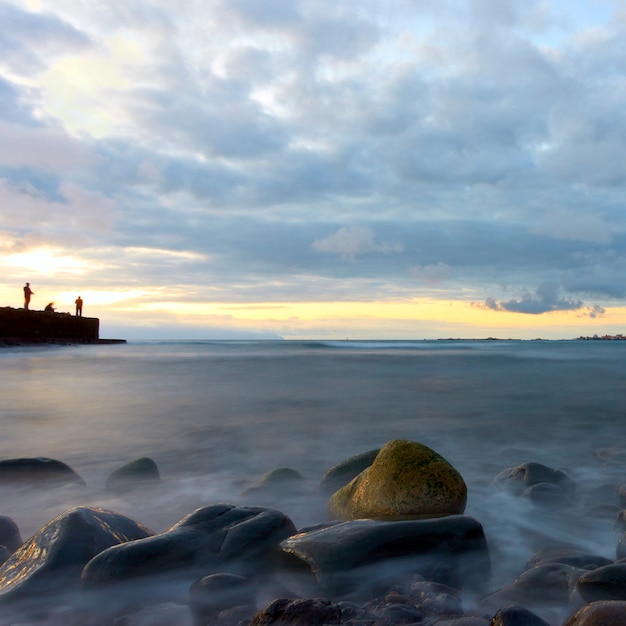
573 225
432 274
352 241
545 299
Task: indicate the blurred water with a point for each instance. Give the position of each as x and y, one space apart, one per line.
217 415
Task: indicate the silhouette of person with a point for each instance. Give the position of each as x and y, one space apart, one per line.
49 308
79 306
28 292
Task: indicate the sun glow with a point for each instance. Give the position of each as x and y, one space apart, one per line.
46 261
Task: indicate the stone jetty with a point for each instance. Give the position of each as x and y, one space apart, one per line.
23 327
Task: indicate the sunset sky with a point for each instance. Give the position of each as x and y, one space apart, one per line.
315 168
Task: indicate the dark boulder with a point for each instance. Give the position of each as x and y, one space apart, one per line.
287 612
212 539
602 613
10 536
37 471
350 556
137 473
280 480
517 616
52 559
342 473
517 479
211 595
603 583
568 555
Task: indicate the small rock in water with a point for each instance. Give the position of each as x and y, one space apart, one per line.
133 474
517 480
10 536
37 471
602 613
279 480
287 612
604 583
342 473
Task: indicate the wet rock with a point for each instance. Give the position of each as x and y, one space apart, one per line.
466 620
517 479
517 616
350 557
602 613
406 480
53 558
37 471
547 494
603 583
211 595
278 480
436 599
342 473
213 539
285 612
544 585
568 555
136 473
10 536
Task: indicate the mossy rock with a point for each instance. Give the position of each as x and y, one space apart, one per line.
406 480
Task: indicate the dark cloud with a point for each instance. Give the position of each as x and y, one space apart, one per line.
545 299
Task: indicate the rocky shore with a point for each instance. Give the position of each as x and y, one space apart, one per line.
396 548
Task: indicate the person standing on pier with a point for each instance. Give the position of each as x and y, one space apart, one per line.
79 306
28 292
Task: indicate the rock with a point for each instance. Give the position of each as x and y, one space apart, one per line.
549 584
10 536
349 557
568 555
603 583
406 480
216 593
37 471
463 621
136 473
436 599
213 539
52 559
342 473
517 616
547 494
602 613
517 479
286 612
279 480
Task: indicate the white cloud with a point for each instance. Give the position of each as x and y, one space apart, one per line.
352 241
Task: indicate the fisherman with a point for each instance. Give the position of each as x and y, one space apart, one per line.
49 308
28 292
79 306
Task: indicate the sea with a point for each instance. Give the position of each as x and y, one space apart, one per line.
215 416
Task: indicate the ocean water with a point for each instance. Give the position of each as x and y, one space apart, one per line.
215 416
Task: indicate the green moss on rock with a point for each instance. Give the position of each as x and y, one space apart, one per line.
406 480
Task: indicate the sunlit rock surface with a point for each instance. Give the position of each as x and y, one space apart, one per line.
52 559
406 479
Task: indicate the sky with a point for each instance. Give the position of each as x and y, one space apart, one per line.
407 169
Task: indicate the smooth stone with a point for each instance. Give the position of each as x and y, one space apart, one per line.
602 613
463 621
436 599
133 474
517 479
547 494
603 583
549 584
279 480
350 556
288 612
568 555
341 474
212 539
163 614
37 470
52 559
517 616
10 536
213 594
406 480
